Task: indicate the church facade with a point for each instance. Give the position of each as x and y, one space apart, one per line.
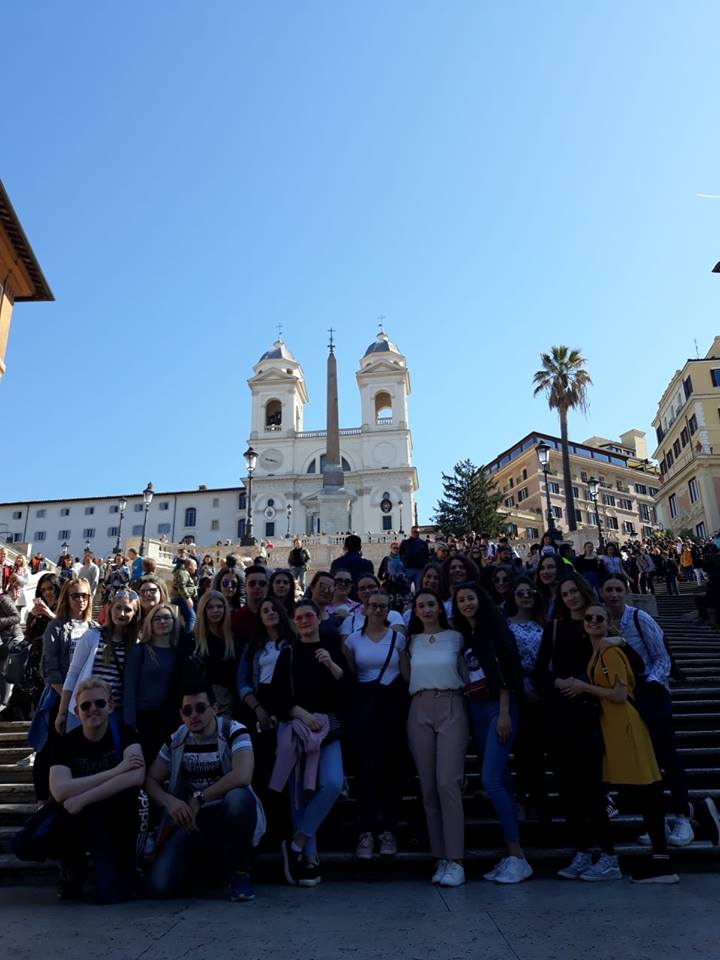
379 478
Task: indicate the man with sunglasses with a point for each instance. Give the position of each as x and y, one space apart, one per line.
95 774
202 778
244 620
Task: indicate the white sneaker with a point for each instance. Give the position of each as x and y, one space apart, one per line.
605 869
577 866
440 868
491 874
28 761
454 875
681 834
365 847
644 838
515 870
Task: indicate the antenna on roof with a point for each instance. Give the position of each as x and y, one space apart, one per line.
331 345
381 324
279 330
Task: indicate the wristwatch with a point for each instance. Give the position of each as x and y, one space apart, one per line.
199 796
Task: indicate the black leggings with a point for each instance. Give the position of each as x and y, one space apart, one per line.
648 800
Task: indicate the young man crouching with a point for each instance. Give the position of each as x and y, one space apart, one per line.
96 773
202 779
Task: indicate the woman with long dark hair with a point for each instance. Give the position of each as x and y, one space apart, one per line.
430 579
493 689
457 569
546 581
257 664
309 689
282 587
376 725
438 730
574 739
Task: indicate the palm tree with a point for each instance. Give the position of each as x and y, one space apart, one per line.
564 380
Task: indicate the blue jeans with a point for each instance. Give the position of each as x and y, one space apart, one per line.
494 755
187 613
309 813
225 829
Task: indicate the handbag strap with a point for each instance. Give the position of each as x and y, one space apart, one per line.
388 658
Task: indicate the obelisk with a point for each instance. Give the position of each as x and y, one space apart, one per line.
334 500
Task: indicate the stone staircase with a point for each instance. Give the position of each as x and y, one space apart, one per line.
697 718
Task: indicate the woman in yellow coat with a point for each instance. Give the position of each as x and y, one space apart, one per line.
629 761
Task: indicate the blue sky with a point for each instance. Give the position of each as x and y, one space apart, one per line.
494 178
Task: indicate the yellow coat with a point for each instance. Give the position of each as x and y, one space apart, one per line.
629 757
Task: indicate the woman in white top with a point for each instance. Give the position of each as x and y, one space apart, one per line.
375 727
101 652
438 730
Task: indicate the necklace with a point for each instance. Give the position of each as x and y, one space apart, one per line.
432 638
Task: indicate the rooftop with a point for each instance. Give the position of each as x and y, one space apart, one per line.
16 235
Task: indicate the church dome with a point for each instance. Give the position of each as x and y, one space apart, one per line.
381 344
278 351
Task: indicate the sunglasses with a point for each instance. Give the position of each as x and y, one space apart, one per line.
231 583
525 594
149 591
87 704
339 580
79 596
125 595
594 618
500 580
257 583
190 708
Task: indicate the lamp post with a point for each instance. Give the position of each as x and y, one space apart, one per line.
122 503
400 506
543 455
148 493
250 456
288 511
65 548
593 485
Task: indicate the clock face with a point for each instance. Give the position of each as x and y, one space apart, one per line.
271 460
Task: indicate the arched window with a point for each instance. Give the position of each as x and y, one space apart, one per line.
323 460
273 415
312 467
190 517
383 408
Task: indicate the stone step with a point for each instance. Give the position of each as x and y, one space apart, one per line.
13 754
11 773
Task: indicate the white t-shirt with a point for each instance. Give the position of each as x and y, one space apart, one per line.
435 662
370 655
267 660
355 621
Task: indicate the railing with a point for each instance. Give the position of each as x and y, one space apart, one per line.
383 421
320 434
272 427
687 456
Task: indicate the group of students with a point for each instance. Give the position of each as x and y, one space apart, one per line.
279 697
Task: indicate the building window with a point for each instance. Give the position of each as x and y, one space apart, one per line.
715 377
660 434
676 448
271 502
269 528
242 502
190 517
387 521
89 511
628 527
522 494
670 458
214 524
138 507
692 424
672 504
647 531
700 531
684 436
653 491
163 529
137 529
583 476
40 513
612 523
687 386
576 493
164 505
273 415
608 499
640 488
88 533
114 508
509 502
693 490
524 474
241 528
625 504
64 534
113 531
533 533
216 501
554 487
64 511
593 519
578 516
556 512
511 483
644 511
40 535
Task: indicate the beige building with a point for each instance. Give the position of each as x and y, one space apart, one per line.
688 435
628 485
20 275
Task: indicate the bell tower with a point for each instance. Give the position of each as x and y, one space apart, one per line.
384 384
279 395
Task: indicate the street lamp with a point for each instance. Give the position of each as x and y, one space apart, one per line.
400 506
148 493
593 486
250 456
288 511
543 455
65 548
122 503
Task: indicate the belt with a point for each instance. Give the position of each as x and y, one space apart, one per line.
439 693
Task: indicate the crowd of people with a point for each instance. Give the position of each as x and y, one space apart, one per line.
230 710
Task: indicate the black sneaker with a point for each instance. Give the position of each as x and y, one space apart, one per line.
293 864
71 881
656 869
311 873
706 815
